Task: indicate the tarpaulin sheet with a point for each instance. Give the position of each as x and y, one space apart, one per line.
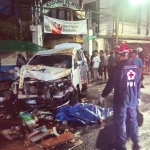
83 113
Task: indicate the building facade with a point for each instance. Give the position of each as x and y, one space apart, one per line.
133 23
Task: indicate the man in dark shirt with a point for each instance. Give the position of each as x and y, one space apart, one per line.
125 79
91 64
101 66
111 63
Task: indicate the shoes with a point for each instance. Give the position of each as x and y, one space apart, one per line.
136 147
114 146
123 147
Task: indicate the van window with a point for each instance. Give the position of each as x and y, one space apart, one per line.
55 60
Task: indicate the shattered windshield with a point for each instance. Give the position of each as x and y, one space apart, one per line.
55 60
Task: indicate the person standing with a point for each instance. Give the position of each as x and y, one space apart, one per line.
140 53
88 62
139 63
126 81
111 63
146 59
96 63
106 56
136 59
101 66
92 64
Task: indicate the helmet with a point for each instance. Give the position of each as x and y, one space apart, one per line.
122 48
139 49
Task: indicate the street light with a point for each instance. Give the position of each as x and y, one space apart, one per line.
135 2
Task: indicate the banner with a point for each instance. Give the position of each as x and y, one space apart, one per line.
56 26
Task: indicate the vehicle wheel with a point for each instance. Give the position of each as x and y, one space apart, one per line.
84 90
75 97
84 94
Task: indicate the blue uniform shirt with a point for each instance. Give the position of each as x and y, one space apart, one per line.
138 62
126 81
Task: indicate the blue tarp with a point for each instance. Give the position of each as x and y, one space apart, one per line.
83 113
6 76
8 67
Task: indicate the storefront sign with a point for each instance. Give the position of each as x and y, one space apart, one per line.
60 3
56 26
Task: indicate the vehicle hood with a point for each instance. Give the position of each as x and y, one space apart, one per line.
43 73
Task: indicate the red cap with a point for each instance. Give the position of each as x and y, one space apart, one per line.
122 48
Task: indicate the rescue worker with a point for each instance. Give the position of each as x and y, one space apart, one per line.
125 79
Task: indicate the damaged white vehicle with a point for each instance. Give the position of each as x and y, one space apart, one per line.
52 78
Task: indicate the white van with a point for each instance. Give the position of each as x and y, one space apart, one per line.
53 77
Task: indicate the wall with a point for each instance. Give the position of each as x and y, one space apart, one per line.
101 44
10 58
129 28
106 18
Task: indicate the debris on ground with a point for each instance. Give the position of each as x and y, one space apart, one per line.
84 100
42 129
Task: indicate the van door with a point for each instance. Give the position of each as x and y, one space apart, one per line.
84 70
76 69
20 61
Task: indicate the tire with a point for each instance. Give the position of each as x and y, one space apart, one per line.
84 94
84 90
75 97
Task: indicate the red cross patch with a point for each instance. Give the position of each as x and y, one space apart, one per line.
131 75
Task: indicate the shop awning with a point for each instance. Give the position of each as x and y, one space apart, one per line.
8 46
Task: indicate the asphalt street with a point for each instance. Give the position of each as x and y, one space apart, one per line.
104 136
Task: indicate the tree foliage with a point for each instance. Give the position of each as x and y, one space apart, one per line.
16 28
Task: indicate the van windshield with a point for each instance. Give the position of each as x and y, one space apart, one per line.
55 60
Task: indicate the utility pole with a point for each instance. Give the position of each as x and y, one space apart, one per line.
98 15
113 32
72 19
36 27
90 32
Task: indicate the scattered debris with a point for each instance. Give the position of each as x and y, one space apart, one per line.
79 142
13 133
38 134
27 142
83 100
63 138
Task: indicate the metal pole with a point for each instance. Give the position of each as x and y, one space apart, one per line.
112 47
139 20
148 15
98 15
71 15
122 25
117 22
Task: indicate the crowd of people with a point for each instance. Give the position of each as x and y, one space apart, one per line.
100 64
